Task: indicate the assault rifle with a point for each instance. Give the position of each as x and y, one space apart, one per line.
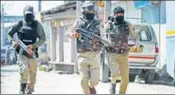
86 31
91 35
24 47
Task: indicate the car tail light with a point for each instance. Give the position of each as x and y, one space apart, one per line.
156 49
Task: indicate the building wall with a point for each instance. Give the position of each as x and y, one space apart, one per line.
130 10
54 40
154 14
47 29
67 41
170 17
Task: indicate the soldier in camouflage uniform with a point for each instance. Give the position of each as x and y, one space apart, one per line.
117 33
88 49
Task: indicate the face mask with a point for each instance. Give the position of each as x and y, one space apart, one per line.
90 16
119 19
29 18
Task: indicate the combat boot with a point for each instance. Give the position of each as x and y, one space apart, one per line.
23 88
92 90
112 88
29 90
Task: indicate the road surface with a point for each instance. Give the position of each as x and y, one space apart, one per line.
52 83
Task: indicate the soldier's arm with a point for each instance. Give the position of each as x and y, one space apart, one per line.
41 36
134 34
71 30
12 31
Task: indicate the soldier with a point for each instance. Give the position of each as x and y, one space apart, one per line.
88 49
28 30
117 33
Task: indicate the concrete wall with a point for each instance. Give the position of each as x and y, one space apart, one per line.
55 42
170 16
67 41
160 31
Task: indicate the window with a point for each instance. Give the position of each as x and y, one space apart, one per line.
143 32
143 35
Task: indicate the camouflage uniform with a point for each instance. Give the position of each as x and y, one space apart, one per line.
88 49
117 52
88 56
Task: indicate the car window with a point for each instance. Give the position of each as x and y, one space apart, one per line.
143 35
143 32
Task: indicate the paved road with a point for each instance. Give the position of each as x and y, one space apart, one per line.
51 83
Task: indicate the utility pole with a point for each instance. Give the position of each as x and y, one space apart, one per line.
104 70
2 27
39 5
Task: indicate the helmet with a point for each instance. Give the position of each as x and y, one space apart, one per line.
88 7
118 10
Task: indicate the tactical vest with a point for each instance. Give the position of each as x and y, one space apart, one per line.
118 38
27 34
85 44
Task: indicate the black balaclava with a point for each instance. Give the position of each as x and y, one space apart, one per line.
89 16
29 18
119 19
28 14
88 9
